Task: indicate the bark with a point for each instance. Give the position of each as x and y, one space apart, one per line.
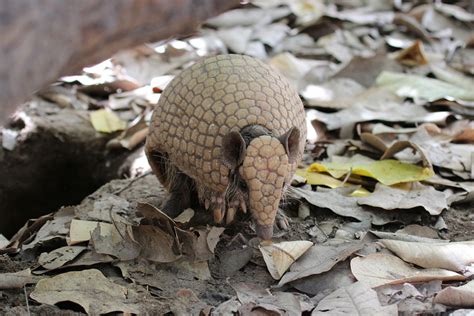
43 40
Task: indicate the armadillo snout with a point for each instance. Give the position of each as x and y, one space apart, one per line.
265 168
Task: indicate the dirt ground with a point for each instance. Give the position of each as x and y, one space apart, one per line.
380 211
162 282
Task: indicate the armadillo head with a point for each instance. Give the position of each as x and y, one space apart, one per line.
264 165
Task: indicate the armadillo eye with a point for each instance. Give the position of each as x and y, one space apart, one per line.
243 185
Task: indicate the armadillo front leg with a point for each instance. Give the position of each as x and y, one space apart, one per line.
221 206
214 201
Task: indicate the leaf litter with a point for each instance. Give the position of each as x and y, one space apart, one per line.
385 184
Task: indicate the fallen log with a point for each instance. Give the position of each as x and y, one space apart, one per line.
44 40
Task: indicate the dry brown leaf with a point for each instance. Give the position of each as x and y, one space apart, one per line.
454 256
249 292
405 237
412 299
105 207
81 231
213 237
145 62
466 136
378 269
88 258
130 138
456 157
461 296
89 289
419 231
59 257
152 215
15 280
192 243
338 201
3 241
365 70
363 15
229 307
355 299
413 55
198 247
336 93
102 90
30 228
390 112
58 227
291 67
435 21
319 259
339 276
247 17
455 11
236 38
185 216
398 146
231 261
260 299
374 141
417 195
199 269
117 241
279 257
156 245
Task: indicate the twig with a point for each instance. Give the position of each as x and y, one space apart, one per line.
128 185
26 299
346 177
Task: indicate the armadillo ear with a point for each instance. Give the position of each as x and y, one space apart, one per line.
291 142
233 150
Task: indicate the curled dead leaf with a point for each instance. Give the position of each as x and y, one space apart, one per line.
454 256
279 257
462 296
378 269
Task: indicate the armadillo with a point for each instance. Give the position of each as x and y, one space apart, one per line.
227 133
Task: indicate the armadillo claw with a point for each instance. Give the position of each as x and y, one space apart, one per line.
218 215
207 204
243 206
281 220
229 218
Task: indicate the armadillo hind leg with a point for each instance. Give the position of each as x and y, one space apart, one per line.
281 220
180 186
281 223
158 162
182 194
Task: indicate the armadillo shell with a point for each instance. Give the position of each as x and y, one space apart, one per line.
213 97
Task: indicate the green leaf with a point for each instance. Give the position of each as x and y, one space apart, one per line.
387 171
414 86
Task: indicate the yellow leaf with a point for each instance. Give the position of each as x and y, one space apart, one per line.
106 121
316 178
387 171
